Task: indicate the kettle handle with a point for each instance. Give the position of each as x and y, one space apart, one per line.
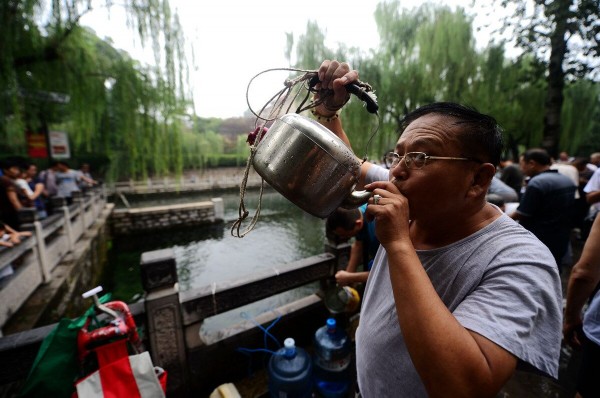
356 199
368 97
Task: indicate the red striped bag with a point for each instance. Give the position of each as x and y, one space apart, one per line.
122 375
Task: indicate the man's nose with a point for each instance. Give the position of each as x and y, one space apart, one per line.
399 171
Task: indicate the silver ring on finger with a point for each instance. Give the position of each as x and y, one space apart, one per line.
376 199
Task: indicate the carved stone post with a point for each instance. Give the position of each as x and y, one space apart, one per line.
219 208
28 221
165 326
79 199
60 205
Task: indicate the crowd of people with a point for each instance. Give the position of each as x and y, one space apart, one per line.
460 292
22 187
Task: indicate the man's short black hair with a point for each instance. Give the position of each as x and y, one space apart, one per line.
481 135
538 155
343 218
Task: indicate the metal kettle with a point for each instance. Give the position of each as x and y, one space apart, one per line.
309 165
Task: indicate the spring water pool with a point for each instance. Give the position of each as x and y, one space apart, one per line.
210 254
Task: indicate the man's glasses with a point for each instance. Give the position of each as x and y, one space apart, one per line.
416 160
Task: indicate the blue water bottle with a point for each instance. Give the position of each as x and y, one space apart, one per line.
332 372
290 372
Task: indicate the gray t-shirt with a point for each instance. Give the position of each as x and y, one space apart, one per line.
501 282
66 182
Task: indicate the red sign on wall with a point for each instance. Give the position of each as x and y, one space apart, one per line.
36 145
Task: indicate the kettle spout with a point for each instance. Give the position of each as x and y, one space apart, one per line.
356 199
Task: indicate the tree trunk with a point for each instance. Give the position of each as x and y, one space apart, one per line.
556 78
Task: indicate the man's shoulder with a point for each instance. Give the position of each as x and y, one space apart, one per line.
506 243
550 177
505 233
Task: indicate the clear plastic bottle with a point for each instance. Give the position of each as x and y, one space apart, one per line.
332 359
290 372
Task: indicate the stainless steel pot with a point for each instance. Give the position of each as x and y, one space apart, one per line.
309 165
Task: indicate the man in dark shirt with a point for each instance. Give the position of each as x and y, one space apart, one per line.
11 198
546 206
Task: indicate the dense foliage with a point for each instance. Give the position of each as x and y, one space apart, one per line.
565 37
58 75
428 54
133 120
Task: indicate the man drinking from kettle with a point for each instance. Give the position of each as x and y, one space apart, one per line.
459 293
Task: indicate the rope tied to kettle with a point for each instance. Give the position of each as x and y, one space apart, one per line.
282 102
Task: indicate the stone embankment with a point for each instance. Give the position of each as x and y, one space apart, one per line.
140 220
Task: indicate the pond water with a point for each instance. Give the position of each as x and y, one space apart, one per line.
210 254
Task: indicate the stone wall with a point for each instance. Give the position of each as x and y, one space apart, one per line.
129 221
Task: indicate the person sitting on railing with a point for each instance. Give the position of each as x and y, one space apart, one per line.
9 238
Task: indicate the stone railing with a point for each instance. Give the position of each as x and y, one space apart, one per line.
172 321
53 239
204 180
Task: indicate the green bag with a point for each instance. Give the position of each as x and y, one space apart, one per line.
56 365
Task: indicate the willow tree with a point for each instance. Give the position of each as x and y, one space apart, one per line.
565 35
58 74
310 51
426 54
580 117
513 92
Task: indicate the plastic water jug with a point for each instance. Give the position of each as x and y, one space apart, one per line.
290 372
332 360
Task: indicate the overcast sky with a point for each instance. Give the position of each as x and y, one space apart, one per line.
235 39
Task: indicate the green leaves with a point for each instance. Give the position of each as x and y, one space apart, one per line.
428 54
118 107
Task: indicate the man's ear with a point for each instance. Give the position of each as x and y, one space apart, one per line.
482 179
